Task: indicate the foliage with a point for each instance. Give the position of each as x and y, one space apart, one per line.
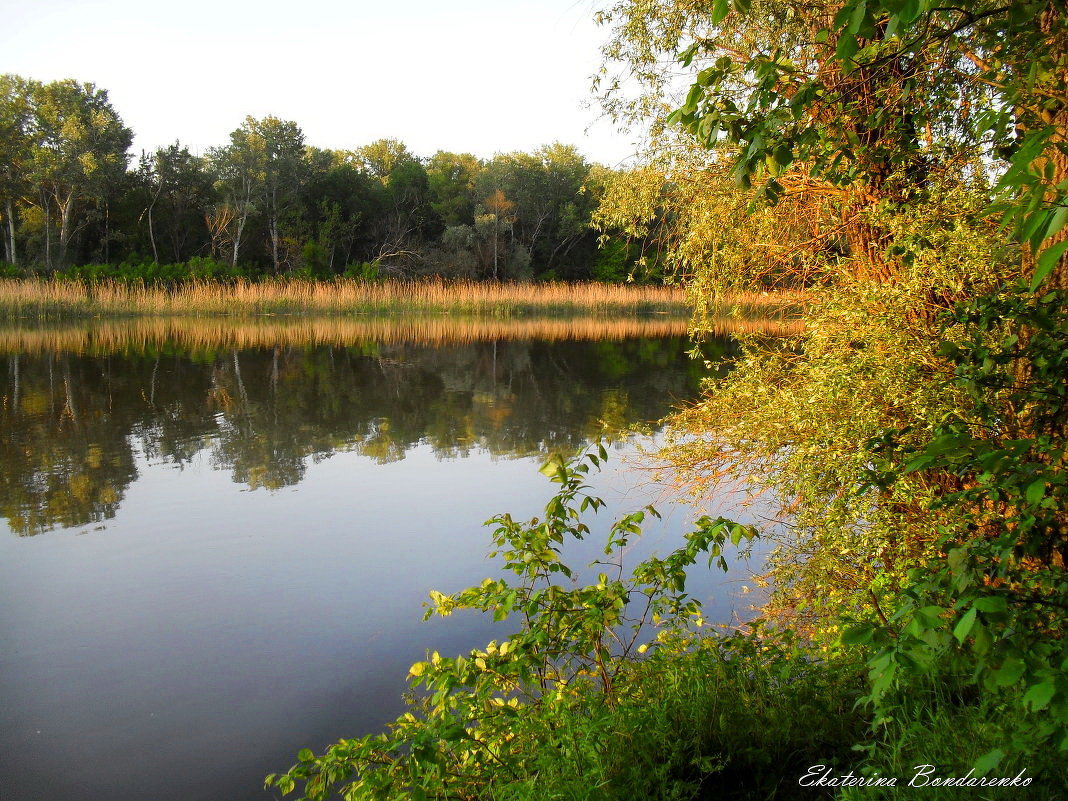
269 204
64 150
939 722
792 420
870 99
363 271
482 722
197 268
990 604
949 561
704 230
568 707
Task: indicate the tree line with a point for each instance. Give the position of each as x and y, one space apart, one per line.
268 203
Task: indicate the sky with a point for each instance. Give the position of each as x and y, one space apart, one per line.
474 76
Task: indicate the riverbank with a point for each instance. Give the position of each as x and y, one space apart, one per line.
585 693
56 298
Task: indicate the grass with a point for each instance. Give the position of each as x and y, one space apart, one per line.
742 719
56 298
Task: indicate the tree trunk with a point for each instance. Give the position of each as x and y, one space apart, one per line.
237 236
274 229
65 210
152 233
12 255
274 244
46 204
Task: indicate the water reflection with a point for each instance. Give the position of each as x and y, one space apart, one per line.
74 421
210 631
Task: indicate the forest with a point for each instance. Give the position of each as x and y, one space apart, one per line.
268 203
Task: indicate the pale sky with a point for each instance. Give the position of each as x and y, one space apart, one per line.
479 76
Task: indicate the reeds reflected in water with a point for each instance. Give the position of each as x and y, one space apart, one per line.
139 333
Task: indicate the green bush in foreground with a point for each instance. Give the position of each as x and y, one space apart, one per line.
607 691
584 701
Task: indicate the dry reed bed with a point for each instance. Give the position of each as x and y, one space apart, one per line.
50 298
139 334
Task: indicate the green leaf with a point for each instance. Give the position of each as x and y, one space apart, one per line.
847 48
1010 672
957 560
1039 695
930 616
991 603
552 467
910 10
305 755
1059 217
859 634
964 626
720 9
918 463
857 18
1047 260
1036 491
988 761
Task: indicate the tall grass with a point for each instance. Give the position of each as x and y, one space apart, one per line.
53 298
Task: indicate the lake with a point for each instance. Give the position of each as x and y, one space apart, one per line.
217 537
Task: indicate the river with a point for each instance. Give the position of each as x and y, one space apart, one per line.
219 536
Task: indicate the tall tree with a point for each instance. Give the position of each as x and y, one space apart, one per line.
546 188
16 118
499 208
79 147
380 158
176 188
451 178
261 170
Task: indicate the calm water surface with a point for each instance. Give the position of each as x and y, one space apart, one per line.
216 554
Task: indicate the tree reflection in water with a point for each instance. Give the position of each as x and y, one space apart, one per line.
76 416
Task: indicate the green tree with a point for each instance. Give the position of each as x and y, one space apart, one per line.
342 202
16 119
79 147
380 158
261 170
451 179
949 557
552 212
176 187
404 220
